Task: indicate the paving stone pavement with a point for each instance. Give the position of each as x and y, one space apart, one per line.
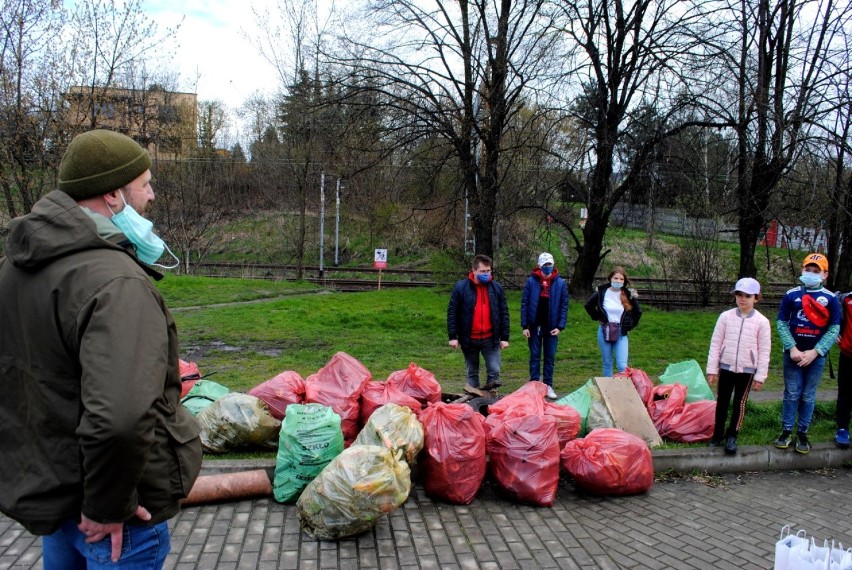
726 521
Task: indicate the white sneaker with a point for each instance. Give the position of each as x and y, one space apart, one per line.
550 393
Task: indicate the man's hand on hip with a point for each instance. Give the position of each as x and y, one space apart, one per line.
95 531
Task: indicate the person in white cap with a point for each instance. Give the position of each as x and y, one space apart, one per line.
738 360
544 314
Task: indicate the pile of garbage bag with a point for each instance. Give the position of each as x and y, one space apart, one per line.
682 407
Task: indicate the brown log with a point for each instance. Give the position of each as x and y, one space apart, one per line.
229 487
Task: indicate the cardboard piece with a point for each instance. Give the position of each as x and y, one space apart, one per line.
627 409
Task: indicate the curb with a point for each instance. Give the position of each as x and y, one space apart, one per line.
748 458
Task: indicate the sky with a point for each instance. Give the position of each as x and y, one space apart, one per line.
214 58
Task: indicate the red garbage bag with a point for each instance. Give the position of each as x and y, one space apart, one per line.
280 391
694 423
338 385
377 394
189 375
454 464
667 400
526 400
609 461
523 454
641 382
418 383
568 421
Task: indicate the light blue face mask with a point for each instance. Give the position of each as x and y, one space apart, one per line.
616 284
810 280
140 232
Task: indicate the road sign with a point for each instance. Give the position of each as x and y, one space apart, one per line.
380 261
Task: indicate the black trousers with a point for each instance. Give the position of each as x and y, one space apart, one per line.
738 384
844 391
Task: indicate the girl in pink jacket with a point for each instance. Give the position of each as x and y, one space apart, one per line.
738 359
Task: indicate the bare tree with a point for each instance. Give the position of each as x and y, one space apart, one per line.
782 66
459 71
110 36
628 54
31 84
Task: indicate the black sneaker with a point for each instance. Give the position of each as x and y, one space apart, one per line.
784 440
492 385
802 445
715 442
731 446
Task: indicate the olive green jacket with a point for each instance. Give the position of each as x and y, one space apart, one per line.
90 413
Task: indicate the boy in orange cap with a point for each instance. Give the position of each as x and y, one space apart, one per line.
808 324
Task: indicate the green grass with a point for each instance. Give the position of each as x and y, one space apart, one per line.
190 291
246 344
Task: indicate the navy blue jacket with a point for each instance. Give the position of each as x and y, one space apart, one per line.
462 304
558 307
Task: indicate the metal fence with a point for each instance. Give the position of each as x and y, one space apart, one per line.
668 294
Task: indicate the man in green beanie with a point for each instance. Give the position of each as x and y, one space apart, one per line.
95 448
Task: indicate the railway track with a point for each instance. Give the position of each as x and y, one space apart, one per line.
664 294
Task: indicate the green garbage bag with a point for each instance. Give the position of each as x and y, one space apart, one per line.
202 394
310 438
689 374
581 400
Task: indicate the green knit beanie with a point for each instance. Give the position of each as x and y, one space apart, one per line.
100 161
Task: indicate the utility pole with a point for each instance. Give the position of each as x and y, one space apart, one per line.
337 225
322 222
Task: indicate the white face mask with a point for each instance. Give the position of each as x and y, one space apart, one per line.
810 280
140 232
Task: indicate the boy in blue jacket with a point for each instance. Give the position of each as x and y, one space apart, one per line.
808 324
544 314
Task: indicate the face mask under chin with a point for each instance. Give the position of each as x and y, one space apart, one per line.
140 232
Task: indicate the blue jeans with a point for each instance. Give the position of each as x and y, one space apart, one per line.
142 548
490 353
610 349
541 338
800 386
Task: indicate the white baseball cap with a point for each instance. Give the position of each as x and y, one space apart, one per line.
748 286
544 259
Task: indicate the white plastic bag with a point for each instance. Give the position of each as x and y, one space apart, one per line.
785 544
840 559
809 556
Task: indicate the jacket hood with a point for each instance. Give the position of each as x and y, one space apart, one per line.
541 276
56 227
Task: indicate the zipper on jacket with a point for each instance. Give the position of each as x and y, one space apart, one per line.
739 341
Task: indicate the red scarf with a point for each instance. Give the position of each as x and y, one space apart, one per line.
545 280
481 327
